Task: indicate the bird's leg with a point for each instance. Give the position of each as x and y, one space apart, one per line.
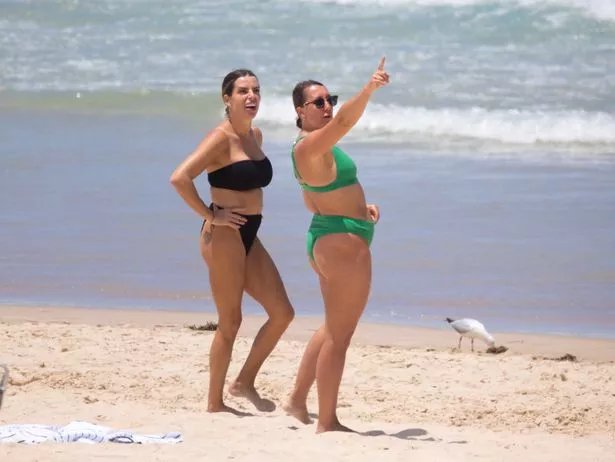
472 343
459 346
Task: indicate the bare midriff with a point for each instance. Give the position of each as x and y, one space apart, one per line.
348 201
242 202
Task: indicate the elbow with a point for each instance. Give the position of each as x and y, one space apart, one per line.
177 179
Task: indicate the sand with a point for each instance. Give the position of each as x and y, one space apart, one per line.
409 393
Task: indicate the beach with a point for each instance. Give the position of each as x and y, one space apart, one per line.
491 156
408 392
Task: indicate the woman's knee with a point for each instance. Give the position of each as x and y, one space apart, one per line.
341 336
228 325
285 316
282 316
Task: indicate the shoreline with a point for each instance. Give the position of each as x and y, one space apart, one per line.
368 332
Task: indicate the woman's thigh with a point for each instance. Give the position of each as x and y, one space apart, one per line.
263 281
223 251
344 264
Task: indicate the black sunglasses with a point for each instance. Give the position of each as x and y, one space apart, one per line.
320 102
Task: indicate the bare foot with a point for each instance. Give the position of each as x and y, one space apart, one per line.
335 427
224 408
299 412
250 393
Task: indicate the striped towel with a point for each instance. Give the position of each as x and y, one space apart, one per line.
79 432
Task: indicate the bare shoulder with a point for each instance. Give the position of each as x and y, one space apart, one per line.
218 136
209 153
302 146
258 134
319 142
215 143
301 136
212 150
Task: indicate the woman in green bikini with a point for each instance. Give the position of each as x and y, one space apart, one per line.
337 241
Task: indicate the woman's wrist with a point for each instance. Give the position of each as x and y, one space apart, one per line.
367 88
209 215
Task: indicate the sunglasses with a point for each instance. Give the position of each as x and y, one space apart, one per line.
320 102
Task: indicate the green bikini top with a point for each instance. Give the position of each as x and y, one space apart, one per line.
345 167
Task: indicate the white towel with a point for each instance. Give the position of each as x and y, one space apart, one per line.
79 432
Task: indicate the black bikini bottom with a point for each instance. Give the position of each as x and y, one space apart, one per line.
247 231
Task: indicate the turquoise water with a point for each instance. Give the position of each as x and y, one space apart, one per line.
491 154
515 71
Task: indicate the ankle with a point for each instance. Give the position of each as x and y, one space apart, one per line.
328 421
215 406
243 384
298 399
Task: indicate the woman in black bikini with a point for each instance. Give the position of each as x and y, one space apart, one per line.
237 170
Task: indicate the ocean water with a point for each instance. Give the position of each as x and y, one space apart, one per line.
491 153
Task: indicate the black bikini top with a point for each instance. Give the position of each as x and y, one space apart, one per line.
243 175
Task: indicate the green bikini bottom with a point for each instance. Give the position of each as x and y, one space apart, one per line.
332 224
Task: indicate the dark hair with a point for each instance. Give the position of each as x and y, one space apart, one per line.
299 96
228 83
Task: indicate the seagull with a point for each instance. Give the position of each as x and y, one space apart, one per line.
4 378
471 328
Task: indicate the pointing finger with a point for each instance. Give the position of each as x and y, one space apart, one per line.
381 65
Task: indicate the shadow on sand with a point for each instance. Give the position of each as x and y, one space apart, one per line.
407 434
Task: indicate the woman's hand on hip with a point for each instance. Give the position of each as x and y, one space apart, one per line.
226 217
373 212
